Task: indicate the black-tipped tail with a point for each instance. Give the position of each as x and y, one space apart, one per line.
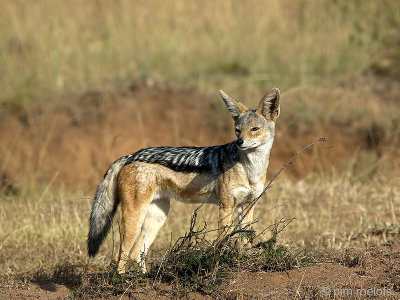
95 240
104 206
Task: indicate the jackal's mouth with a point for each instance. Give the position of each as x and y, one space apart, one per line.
247 147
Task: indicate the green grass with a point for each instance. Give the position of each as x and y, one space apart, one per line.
52 48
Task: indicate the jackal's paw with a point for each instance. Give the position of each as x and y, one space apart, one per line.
121 269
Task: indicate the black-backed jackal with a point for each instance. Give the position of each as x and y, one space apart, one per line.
230 176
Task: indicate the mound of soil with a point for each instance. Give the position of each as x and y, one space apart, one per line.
71 141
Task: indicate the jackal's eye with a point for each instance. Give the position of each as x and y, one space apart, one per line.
255 128
237 130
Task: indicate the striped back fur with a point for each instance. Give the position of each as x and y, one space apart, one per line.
213 159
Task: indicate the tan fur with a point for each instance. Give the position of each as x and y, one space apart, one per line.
144 189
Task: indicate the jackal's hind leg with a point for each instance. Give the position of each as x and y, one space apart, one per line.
134 207
155 218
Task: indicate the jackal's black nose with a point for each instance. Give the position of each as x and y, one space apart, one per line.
239 142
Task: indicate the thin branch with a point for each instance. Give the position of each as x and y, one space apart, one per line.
320 140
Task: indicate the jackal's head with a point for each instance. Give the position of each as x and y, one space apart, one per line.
254 128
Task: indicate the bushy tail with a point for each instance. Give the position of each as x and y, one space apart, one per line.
104 206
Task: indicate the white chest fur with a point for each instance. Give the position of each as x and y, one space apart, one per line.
255 161
255 164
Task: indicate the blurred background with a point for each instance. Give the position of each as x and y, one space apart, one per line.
83 83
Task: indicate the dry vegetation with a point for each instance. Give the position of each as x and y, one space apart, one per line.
50 48
337 64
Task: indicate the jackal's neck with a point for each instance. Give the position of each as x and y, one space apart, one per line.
256 161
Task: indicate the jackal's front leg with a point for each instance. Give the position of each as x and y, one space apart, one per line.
246 212
224 220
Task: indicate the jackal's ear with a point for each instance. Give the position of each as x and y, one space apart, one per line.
269 105
234 107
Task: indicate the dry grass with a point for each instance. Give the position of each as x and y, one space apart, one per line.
51 48
41 230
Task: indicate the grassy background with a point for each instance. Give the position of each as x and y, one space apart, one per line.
50 48
317 52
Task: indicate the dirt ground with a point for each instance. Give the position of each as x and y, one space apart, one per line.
345 275
348 275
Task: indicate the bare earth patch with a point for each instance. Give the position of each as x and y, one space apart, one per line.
339 275
377 268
